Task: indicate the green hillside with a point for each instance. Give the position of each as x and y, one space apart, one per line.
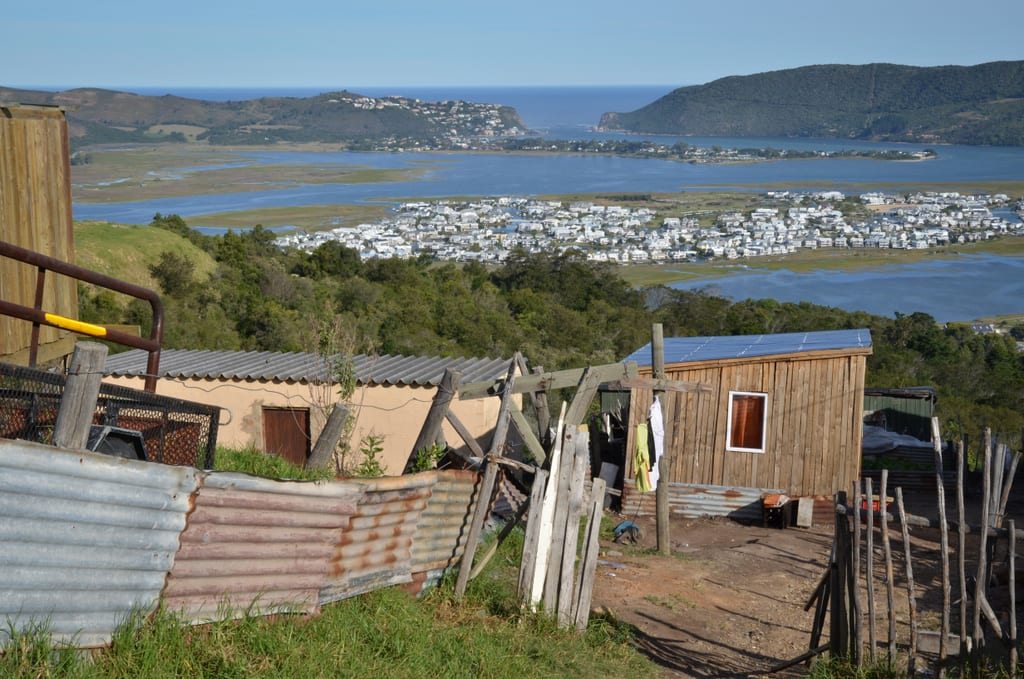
981 104
97 116
126 252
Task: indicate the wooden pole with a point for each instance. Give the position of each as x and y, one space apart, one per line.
887 551
559 520
591 548
858 623
961 531
838 631
323 452
529 560
78 403
536 591
870 566
661 492
431 432
483 502
940 490
1013 595
577 489
979 583
911 601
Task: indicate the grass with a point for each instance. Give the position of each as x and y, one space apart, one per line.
126 252
386 633
252 461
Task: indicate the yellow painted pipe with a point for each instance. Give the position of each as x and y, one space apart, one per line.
76 326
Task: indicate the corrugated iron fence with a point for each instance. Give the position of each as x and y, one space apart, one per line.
88 540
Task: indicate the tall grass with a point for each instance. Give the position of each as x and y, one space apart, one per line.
383 634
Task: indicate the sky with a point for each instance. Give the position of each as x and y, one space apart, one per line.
338 44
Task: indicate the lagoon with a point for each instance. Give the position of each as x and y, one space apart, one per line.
964 288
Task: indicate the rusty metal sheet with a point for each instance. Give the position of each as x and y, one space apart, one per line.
440 537
85 538
694 501
375 551
258 546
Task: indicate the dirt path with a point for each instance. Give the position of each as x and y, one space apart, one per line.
729 602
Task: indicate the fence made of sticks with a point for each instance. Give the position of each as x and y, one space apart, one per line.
928 591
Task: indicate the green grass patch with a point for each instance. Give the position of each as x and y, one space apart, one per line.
386 633
127 251
252 461
305 217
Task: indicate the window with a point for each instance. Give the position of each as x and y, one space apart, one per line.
747 411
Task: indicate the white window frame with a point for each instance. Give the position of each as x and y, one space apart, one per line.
764 423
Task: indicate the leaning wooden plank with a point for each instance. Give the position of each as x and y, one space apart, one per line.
529 560
526 433
577 489
470 440
591 549
506 530
431 432
581 400
483 508
560 519
547 515
562 379
653 384
940 492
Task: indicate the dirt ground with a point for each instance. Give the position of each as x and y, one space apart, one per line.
729 601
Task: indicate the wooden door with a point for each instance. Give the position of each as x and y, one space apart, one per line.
286 434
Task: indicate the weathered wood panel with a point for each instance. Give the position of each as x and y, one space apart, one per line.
35 213
813 429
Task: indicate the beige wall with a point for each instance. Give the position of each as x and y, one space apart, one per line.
395 413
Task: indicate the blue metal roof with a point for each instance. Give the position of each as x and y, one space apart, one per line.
299 367
694 349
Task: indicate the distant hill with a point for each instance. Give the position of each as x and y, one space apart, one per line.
107 116
981 104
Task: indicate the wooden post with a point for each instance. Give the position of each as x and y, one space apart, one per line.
858 622
940 490
961 531
430 432
1013 594
580 463
483 503
887 551
78 403
911 601
661 492
529 560
591 548
327 442
536 589
560 520
838 631
870 566
979 583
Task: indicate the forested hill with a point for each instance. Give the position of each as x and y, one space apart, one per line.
108 116
981 104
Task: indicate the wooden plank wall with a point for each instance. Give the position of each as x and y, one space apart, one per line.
35 213
814 429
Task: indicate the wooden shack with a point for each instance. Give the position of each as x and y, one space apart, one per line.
779 412
35 214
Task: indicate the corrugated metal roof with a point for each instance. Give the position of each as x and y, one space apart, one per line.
86 538
256 545
693 501
694 349
300 367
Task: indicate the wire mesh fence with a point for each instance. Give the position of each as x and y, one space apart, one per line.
172 431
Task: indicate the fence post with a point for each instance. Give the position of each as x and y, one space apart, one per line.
78 404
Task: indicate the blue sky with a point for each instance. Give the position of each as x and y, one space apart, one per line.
353 43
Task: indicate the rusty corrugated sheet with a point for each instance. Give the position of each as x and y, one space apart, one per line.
441 534
693 501
85 538
375 551
257 545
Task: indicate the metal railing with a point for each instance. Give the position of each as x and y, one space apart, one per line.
38 317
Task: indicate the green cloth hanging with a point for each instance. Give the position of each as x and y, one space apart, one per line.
642 460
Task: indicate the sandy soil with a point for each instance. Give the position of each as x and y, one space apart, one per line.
730 600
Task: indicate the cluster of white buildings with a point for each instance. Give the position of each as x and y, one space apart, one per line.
460 121
487 230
